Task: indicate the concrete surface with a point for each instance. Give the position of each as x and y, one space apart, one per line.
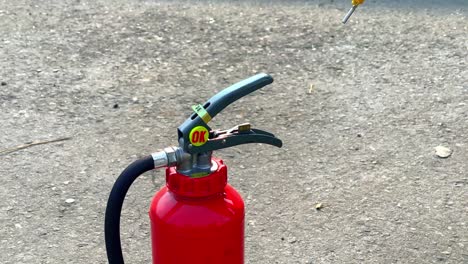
360 109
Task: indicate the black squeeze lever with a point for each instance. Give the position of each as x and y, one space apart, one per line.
195 136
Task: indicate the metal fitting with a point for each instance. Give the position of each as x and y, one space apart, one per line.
172 156
167 157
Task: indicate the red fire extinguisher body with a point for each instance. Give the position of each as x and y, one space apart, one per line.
197 220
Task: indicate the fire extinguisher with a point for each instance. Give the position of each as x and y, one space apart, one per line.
197 218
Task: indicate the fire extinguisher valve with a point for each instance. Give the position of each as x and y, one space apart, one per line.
197 140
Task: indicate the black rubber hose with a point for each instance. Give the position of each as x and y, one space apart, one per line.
114 207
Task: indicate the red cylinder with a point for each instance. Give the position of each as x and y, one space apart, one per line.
197 220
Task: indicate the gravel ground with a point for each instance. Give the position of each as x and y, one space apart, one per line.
359 107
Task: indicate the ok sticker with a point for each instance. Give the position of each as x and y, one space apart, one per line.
198 136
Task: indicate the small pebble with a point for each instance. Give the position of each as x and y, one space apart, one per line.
69 200
318 206
443 152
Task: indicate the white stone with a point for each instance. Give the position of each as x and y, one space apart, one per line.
443 152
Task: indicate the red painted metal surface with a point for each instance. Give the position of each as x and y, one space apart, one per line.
197 220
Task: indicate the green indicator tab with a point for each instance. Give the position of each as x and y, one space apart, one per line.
199 175
202 113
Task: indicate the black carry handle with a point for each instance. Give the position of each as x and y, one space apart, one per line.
221 100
